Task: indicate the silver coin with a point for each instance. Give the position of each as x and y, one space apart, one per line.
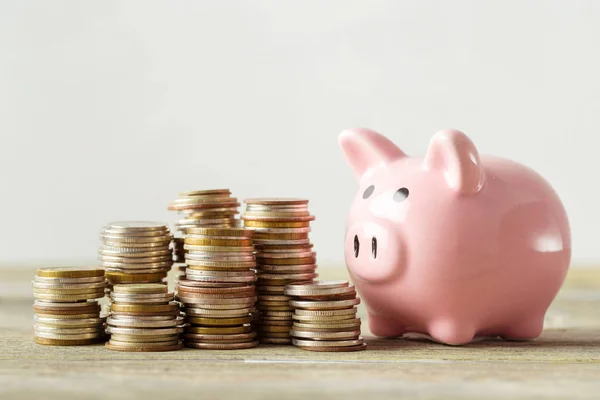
144 332
120 300
136 260
134 245
328 343
67 331
69 298
133 252
115 315
60 281
80 336
137 234
166 239
211 313
325 305
207 300
219 279
226 306
162 264
65 323
286 269
83 286
221 257
218 249
51 304
224 274
137 225
121 323
142 296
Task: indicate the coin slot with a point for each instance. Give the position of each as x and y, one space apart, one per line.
356 246
374 246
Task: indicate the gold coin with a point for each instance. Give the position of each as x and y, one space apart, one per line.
79 336
69 298
69 316
219 249
143 347
220 268
286 269
359 347
149 246
209 192
275 329
143 331
67 342
134 226
66 311
276 224
222 338
268 256
191 285
280 236
164 239
276 201
145 288
143 308
227 232
66 272
134 260
318 288
280 217
219 321
187 206
69 286
206 313
326 313
144 339
246 293
69 291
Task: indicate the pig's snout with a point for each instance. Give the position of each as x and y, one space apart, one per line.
374 251
357 246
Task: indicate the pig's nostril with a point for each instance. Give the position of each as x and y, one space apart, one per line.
356 246
374 247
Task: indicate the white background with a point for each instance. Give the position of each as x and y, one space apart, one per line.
109 108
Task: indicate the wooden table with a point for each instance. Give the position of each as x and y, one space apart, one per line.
563 363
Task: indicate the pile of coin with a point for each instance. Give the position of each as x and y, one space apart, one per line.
219 293
136 252
144 317
283 255
66 310
325 316
206 208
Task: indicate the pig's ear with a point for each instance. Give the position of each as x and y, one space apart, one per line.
452 153
365 148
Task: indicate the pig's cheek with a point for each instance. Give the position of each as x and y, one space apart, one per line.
380 255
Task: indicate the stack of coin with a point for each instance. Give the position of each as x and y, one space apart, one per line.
66 310
136 252
325 316
144 317
179 258
206 208
219 293
283 255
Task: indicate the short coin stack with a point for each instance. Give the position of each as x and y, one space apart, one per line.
325 316
219 293
136 252
206 208
66 312
144 317
283 255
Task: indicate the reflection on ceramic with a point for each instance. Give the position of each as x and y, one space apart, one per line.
452 245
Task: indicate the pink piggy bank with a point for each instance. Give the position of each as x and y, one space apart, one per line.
452 245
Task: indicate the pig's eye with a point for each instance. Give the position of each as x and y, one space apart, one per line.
401 194
368 192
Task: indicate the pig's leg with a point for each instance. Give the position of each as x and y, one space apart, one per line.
526 329
385 327
449 331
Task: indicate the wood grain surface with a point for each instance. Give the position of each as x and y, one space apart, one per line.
563 363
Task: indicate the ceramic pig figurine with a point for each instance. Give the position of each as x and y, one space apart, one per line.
452 245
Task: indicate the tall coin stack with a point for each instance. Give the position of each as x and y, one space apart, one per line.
144 317
135 252
206 208
219 293
325 316
66 310
202 208
283 255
